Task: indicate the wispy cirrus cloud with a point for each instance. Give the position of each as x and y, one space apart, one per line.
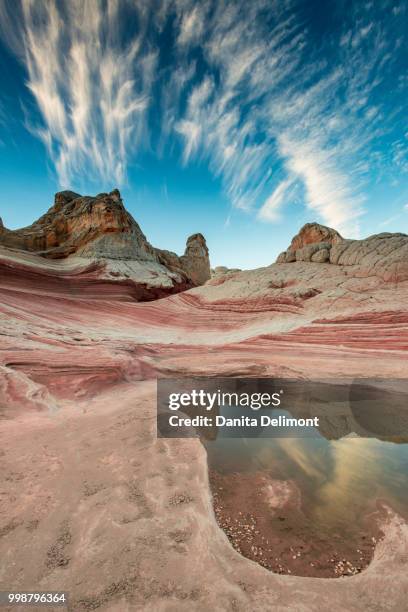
92 90
246 88
192 23
279 102
271 208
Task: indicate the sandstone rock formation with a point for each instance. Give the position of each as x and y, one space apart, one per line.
222 270
85 476
312 243
195 261
384 255
101 229
312 233
220 274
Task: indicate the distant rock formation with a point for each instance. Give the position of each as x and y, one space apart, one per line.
312 233
312 243
222 270
384 255
195 262
101 228
74 340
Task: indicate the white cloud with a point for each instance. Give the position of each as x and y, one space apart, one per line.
191 132
91 90
271 208
192 25
266 110
241 86
327 189
389 220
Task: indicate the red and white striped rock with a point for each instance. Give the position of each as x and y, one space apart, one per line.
87 482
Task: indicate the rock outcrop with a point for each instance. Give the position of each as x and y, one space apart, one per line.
312 233
384 255
195 261
101 496
100 228
222 270
221 274
312 243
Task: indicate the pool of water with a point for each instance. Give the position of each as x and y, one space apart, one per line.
309 496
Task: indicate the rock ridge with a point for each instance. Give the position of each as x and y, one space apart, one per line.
384 255
100 228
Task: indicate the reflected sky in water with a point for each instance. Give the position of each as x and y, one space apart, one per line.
340 481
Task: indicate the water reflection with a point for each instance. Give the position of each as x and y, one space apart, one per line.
339 481
311 502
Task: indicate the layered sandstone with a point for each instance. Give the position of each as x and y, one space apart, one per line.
121 519
384 255
100 229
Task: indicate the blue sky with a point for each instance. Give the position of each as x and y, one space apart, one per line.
240 120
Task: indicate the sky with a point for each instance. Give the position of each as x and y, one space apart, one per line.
241 120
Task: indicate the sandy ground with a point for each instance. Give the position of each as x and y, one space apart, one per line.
91 502
94 504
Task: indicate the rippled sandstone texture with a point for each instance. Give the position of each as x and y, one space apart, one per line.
100 229
383 255
91 501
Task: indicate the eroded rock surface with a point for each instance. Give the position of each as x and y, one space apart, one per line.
195 261
312 233
384 255
102 230
92 501
222 270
